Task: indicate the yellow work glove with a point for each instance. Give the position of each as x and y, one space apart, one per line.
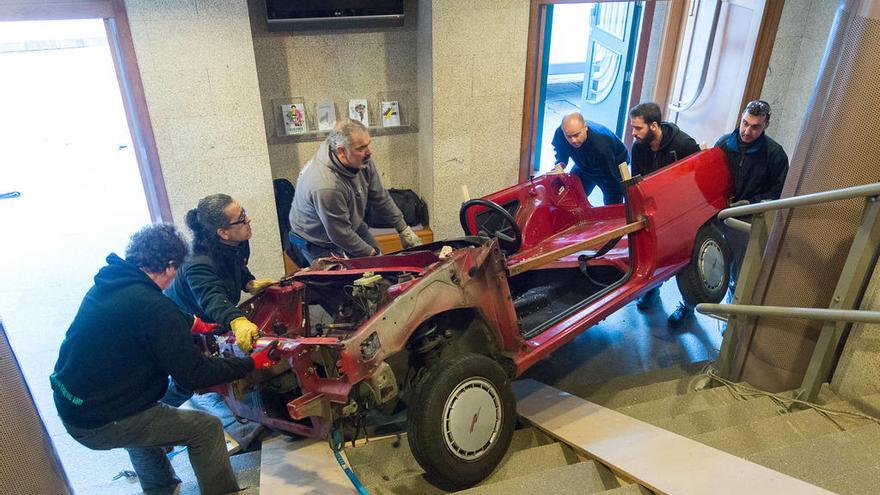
259 285
246 333
409 238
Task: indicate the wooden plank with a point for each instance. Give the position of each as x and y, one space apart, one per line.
656 458
291 466
543 259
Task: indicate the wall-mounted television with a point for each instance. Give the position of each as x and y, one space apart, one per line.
297 15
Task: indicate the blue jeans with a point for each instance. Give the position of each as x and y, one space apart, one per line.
311 251
612 192
144 435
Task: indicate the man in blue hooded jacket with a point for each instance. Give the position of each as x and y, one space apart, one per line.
758 166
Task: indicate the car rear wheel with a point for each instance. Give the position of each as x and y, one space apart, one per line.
706 278
461 420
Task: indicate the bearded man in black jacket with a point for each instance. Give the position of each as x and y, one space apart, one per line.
657 144
114 363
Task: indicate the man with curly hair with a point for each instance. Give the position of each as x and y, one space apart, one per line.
114 363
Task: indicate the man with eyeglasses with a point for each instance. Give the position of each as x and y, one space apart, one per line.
758 166
114 363
596 153
333 192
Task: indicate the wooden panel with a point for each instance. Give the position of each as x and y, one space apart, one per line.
390 243
291 466
554 255
656 458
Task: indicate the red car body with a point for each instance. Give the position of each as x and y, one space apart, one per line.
427 300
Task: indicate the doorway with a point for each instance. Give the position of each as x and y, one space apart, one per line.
66 155
587 63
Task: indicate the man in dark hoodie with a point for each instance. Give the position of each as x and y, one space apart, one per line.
657 144
114 363
332 195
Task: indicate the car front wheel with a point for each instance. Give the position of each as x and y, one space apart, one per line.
462 420
706 278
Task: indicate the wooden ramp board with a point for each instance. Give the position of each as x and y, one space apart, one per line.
291 466
656 458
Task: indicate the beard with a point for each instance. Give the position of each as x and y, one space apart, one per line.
649 138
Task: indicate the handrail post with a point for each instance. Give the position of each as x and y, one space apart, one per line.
860 263
733 348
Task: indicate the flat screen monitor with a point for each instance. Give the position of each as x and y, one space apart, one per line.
293 15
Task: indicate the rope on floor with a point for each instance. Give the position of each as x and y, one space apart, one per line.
745 392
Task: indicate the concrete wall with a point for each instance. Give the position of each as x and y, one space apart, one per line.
196 60
472 92
339 66
794 65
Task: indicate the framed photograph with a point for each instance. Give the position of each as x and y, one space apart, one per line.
357 110
294 115
390 114
326 112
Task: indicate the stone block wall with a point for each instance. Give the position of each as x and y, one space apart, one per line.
472 87
339 65
196 59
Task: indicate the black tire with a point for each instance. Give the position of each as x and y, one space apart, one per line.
459 391
706 278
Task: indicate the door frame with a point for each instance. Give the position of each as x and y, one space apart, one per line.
534 68
127 74
669 50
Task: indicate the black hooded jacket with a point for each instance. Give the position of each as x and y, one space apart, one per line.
123 343
674 145
209 285
758 169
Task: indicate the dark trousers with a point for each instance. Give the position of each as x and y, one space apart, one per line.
146 434
311 251
612 192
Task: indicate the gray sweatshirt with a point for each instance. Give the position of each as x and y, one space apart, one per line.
331 200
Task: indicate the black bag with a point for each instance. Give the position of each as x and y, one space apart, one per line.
414 210
284 192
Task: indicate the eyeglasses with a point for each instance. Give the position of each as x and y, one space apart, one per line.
243 218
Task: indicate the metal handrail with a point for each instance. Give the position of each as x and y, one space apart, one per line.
845 315
681 105
805 200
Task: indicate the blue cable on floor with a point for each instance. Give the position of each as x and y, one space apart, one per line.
335 445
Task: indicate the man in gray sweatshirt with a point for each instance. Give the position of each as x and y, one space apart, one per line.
332 194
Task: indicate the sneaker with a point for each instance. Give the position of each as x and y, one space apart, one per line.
648 299
683 312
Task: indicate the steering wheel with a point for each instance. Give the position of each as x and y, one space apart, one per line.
508 233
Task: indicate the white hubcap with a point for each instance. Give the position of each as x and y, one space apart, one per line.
712 265
472 418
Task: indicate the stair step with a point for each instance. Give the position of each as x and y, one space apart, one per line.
633 489
858 483
768 433
826 457
531 461
610 385
368 453
583 477
667 407
738 413
395 470
645 393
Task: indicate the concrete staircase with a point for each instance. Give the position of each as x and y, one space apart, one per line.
842 456
534 463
